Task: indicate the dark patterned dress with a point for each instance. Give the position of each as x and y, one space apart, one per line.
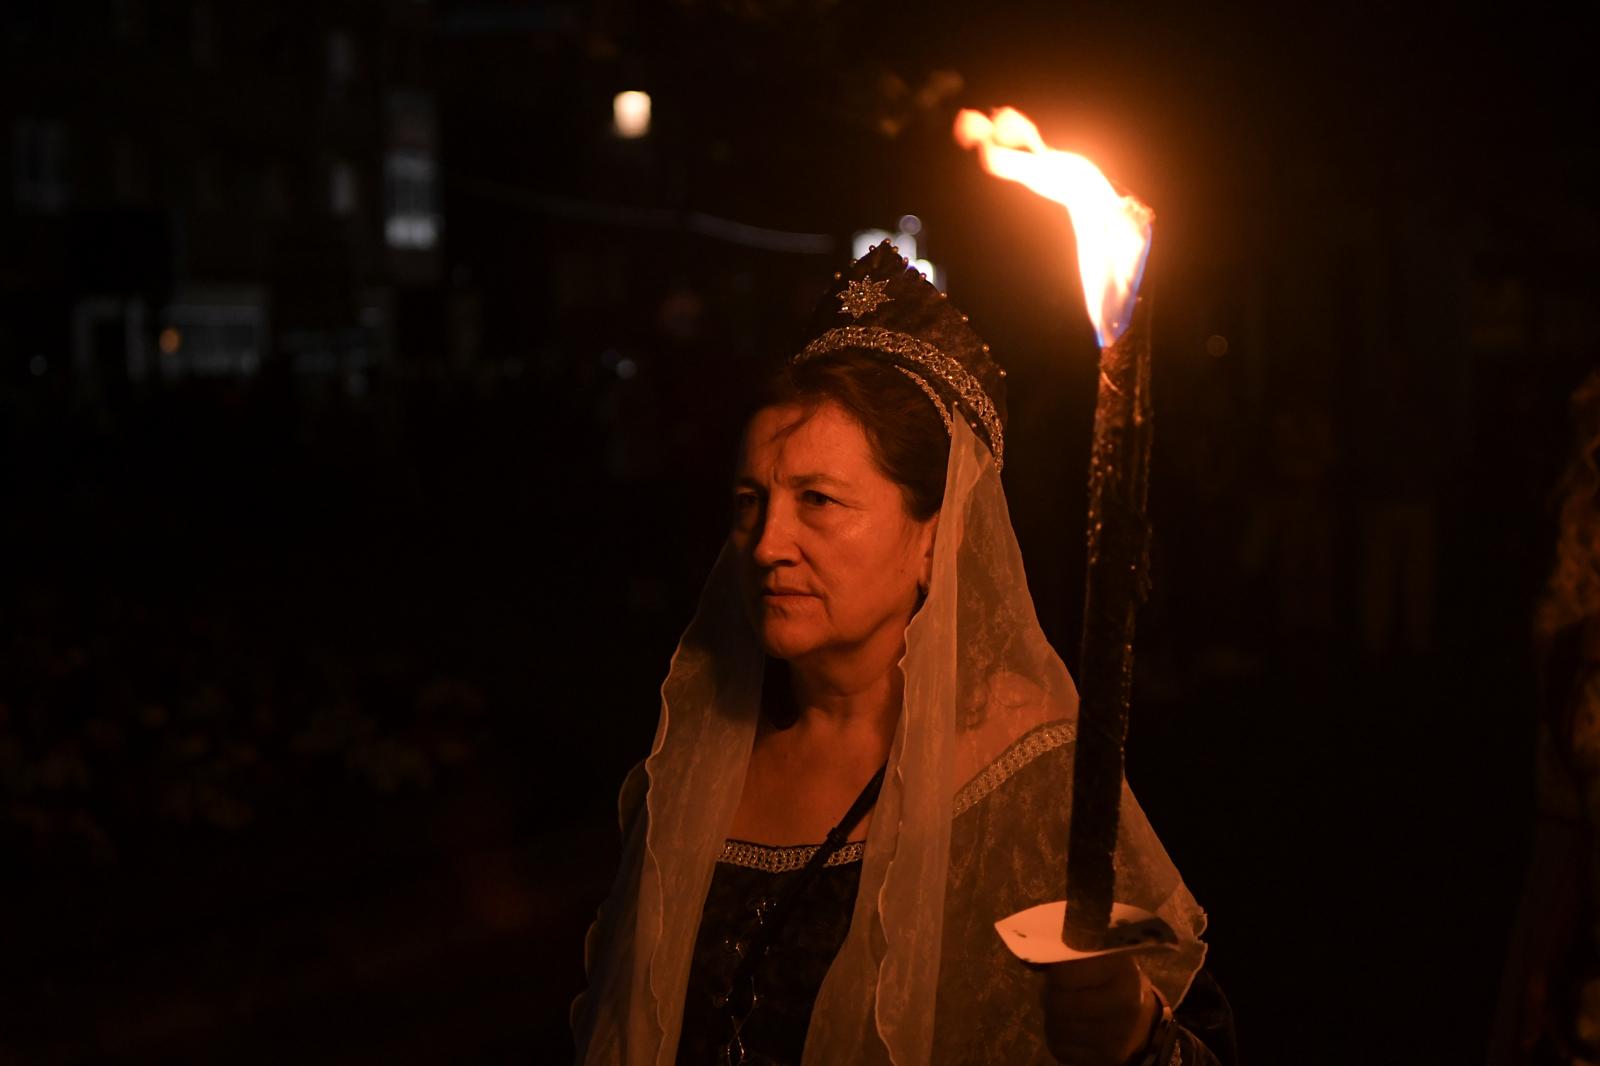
790 975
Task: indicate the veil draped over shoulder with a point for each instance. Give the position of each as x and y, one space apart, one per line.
922 977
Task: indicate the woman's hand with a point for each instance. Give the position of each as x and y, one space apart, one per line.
1098 1012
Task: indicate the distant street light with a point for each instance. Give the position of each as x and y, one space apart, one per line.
630 114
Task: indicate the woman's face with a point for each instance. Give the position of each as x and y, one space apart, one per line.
831 560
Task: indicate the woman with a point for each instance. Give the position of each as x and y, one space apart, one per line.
865 670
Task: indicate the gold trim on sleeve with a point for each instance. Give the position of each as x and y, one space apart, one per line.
1022 751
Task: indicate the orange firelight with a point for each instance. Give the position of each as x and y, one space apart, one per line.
1113 230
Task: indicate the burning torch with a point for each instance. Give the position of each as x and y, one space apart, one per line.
1113 236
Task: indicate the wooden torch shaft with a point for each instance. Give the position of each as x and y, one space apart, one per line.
1116 583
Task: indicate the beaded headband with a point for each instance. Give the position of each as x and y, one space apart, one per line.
926 357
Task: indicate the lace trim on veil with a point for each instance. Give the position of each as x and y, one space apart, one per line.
1023 750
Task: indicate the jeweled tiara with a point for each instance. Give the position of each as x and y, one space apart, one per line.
912 324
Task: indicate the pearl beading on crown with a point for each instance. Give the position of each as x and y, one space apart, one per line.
924 355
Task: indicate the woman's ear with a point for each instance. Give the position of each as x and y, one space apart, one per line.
929 536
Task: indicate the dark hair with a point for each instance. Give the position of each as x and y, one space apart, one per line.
904 429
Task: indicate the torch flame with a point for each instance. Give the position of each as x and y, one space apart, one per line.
1113 230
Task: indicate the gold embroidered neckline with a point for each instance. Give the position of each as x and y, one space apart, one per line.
782 860
1023 750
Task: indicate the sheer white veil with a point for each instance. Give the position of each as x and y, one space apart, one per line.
982 687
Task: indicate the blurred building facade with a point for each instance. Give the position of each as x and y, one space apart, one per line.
210 189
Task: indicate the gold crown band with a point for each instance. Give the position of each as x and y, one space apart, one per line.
944 367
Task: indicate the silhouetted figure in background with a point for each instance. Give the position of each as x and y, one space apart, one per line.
1550 997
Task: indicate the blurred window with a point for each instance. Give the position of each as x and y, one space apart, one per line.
342 188
39 165
214 334
208 182
275 197
341 60
130 171
409 217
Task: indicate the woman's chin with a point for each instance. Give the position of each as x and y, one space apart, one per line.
783 640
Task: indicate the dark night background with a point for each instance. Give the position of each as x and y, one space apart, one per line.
365 409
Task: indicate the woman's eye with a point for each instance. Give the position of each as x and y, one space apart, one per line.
744 501
816 499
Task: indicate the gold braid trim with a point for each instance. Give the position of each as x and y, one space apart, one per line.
1022 751
946 368
783 860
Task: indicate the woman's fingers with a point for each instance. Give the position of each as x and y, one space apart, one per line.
1092 973
1097 1011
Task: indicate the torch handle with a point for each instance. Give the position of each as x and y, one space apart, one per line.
1116 583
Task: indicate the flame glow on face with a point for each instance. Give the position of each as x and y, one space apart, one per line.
1113 230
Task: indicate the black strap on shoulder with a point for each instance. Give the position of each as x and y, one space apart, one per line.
770 918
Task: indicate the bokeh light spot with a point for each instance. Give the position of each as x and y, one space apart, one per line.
630 114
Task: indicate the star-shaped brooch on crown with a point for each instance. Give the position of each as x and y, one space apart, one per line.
863 297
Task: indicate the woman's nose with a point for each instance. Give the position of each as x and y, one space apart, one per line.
775 539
